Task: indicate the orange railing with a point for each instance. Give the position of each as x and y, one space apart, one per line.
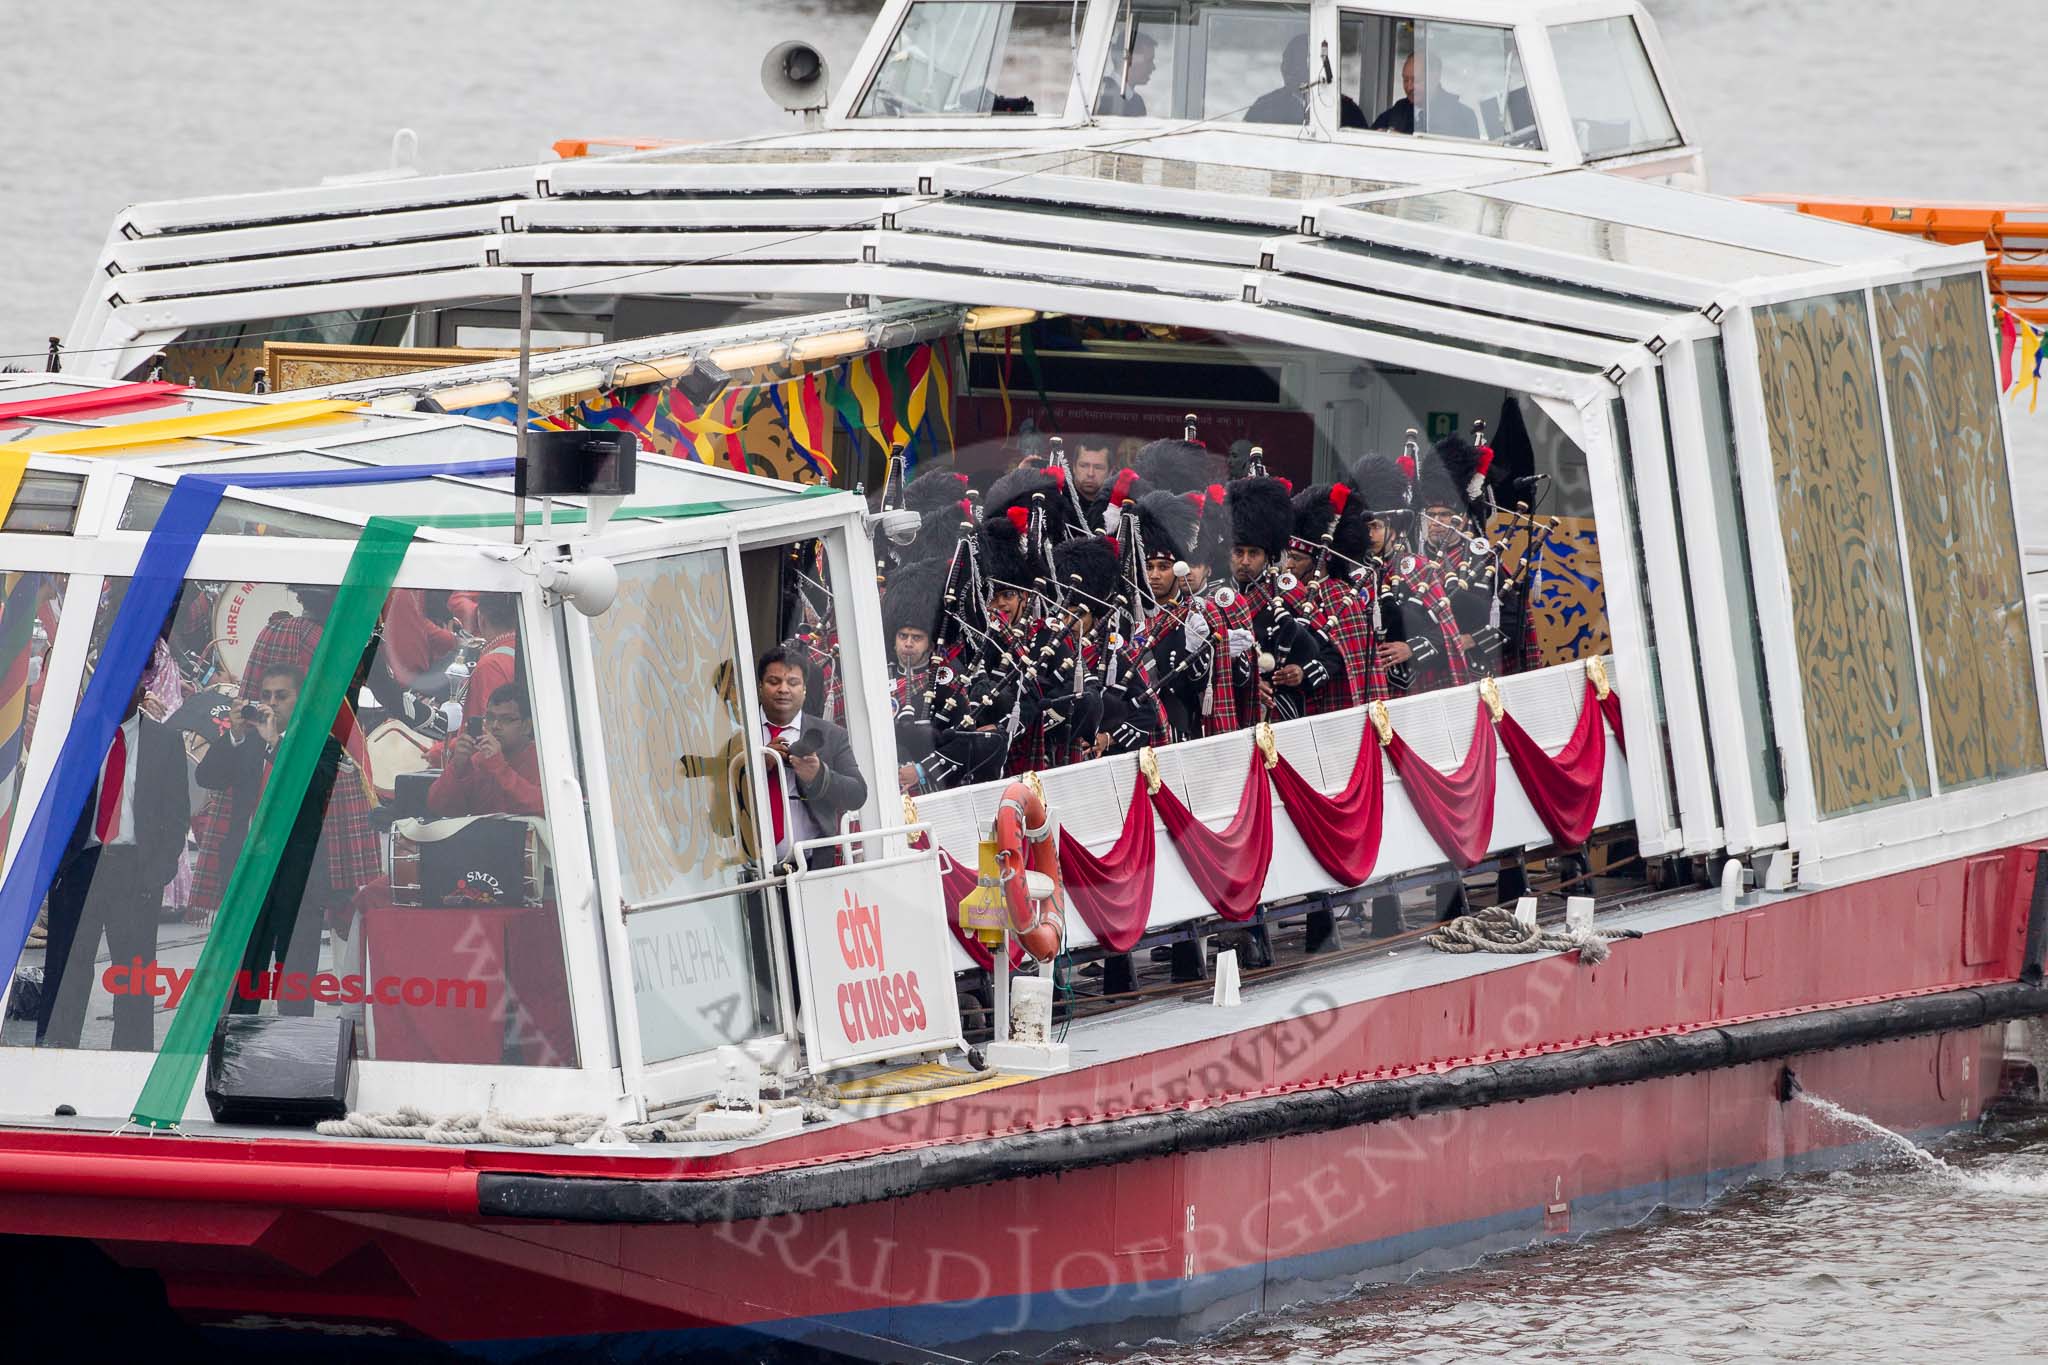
2014 235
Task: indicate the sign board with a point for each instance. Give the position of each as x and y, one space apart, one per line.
875 961
1442 424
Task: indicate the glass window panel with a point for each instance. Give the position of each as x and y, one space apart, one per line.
1738 582
417 892
1436 79
45 504
1221 60
676 756
411 445
1610 88
1968 590
1594 238
1000 57
1865 737
233 518
21 393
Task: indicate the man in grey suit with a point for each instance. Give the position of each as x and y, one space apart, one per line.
814 752
120 856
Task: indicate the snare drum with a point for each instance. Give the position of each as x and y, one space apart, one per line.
493 860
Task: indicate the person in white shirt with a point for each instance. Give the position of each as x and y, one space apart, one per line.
110 884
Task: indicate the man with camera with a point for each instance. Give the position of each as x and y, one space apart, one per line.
491 766
811 754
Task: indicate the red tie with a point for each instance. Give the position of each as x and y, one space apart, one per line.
110 789
775 791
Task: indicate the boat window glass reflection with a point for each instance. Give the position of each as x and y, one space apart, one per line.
1610 88
975 57
415 892
1223 60
1435 79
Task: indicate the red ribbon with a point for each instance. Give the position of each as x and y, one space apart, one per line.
151 393
1565 790
1228 865
1342 830
1610 707
1456 808
1113 892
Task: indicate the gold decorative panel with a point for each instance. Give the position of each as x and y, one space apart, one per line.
1864 732
1968 590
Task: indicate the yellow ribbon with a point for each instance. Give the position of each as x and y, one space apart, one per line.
113 440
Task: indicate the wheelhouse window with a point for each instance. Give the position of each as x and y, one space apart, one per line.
1222 60
1610 88
416 890
977 57
1401 75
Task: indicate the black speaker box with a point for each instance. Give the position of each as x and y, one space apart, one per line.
281 1070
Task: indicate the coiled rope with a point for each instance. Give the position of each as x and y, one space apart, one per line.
1496 930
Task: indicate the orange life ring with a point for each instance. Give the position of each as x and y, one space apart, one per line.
1024 843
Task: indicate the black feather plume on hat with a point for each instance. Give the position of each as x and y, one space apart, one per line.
1261 514
1168 524
1179 466
916 597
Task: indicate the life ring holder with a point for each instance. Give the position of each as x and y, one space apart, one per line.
1027 861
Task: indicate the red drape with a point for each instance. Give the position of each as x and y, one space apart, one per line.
1610 707
1228 865
1565 790
1456 808
956 883
1113 892
1342 830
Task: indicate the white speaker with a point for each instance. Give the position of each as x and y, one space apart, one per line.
589 585
796 77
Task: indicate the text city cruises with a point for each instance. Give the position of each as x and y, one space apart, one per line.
1177 655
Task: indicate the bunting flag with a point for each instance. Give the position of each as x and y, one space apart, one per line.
878 370
2022 353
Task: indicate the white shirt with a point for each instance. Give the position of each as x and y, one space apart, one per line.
802 825
124 824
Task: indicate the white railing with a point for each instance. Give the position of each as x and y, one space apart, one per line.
1090 800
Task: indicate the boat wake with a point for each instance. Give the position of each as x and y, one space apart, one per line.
1990 1182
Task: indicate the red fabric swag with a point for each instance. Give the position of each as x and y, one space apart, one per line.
956 884
1565 790
1456 808
1228 865
1342 830
1113 892
1610 707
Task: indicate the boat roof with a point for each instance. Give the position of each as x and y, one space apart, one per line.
176 431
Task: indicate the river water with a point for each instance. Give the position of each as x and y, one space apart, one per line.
105 103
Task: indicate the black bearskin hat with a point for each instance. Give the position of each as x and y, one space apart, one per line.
1087 566
1454 475
1179 466
939 533
933 490
1381 484
1214 539
1001 542
1316 511
1261 514
916 596
1029 489
1168 524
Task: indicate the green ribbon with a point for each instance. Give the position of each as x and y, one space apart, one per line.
576 516
371 571
365 588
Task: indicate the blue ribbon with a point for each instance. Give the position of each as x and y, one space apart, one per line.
158 579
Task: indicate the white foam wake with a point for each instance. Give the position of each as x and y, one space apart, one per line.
1990 1182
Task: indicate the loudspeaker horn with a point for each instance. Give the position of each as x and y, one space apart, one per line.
796 77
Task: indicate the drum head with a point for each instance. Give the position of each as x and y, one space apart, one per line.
240 615
396 748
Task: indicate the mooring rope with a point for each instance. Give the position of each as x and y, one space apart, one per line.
412 1123
1497 930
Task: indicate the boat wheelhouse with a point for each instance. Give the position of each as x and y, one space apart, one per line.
1788 693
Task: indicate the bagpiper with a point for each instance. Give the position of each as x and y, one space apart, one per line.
1327 556
1177 633
1295 657
1419 645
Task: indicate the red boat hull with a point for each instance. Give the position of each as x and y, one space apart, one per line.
385 1246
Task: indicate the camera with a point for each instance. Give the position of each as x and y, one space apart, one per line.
813 740
252 713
